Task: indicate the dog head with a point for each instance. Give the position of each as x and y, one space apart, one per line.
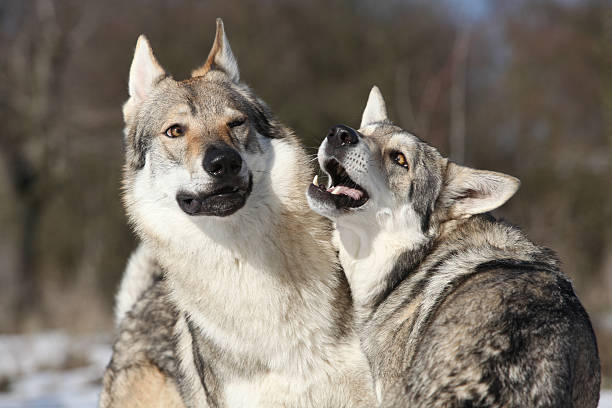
196 149
382 177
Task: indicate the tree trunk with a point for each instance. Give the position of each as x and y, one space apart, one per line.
457 98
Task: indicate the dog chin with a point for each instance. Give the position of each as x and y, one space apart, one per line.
321 207
329 206
221 202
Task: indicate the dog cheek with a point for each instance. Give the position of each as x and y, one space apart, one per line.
136 148
251 143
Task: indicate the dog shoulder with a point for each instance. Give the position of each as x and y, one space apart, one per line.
514 331
139 386
140 273
143 366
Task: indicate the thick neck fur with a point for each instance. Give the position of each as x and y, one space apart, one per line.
378 261
262 283
370 246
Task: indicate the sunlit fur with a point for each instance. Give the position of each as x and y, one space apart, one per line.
454 308
263 315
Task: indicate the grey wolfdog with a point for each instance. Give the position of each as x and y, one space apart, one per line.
236 298
453 307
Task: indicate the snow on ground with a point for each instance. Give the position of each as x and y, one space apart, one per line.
605 400
52 370
55 370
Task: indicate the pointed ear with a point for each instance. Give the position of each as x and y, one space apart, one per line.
469 191
375 110
220 57
145 71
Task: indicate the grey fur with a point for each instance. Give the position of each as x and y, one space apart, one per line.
252 313
454 307
144 351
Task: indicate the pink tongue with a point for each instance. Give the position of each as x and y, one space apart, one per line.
351 192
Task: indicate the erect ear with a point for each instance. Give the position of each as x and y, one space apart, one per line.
469 191
220 57
145 71
375 110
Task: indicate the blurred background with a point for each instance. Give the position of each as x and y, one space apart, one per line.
523 87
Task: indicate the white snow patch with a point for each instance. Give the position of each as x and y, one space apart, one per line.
52 370
605 399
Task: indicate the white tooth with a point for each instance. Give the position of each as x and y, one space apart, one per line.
336 190
315 180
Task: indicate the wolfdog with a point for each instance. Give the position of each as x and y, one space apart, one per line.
453 307
214 187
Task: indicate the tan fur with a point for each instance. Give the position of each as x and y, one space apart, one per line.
194 147
216 48
141 369
409 311
142 386
258 312
224 133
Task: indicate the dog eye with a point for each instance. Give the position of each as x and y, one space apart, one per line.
235 123
175 131
400 159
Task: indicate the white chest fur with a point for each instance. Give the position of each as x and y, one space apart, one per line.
368 252
260 285
251 304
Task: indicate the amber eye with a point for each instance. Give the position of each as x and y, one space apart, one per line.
400 159
235 123
175 131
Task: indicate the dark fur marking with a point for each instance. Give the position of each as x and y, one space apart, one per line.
259 114
252 144
467 193
137 345
199 362
421 284
426 219
520 266
530 316
190 102
404 266
427 186
527 339
508 263
343 301
137 145
435 267
448 289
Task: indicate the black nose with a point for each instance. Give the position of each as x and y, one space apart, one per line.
222 161
341 135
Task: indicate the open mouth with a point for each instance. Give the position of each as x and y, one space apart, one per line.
343 192
221 202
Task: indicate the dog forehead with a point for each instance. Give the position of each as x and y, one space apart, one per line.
193 96
211 97
402 140
379 130
391 137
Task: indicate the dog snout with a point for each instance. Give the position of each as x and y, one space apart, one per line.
221 162
341 135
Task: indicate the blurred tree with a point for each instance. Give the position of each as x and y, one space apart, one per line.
39 38
34 140
604 46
